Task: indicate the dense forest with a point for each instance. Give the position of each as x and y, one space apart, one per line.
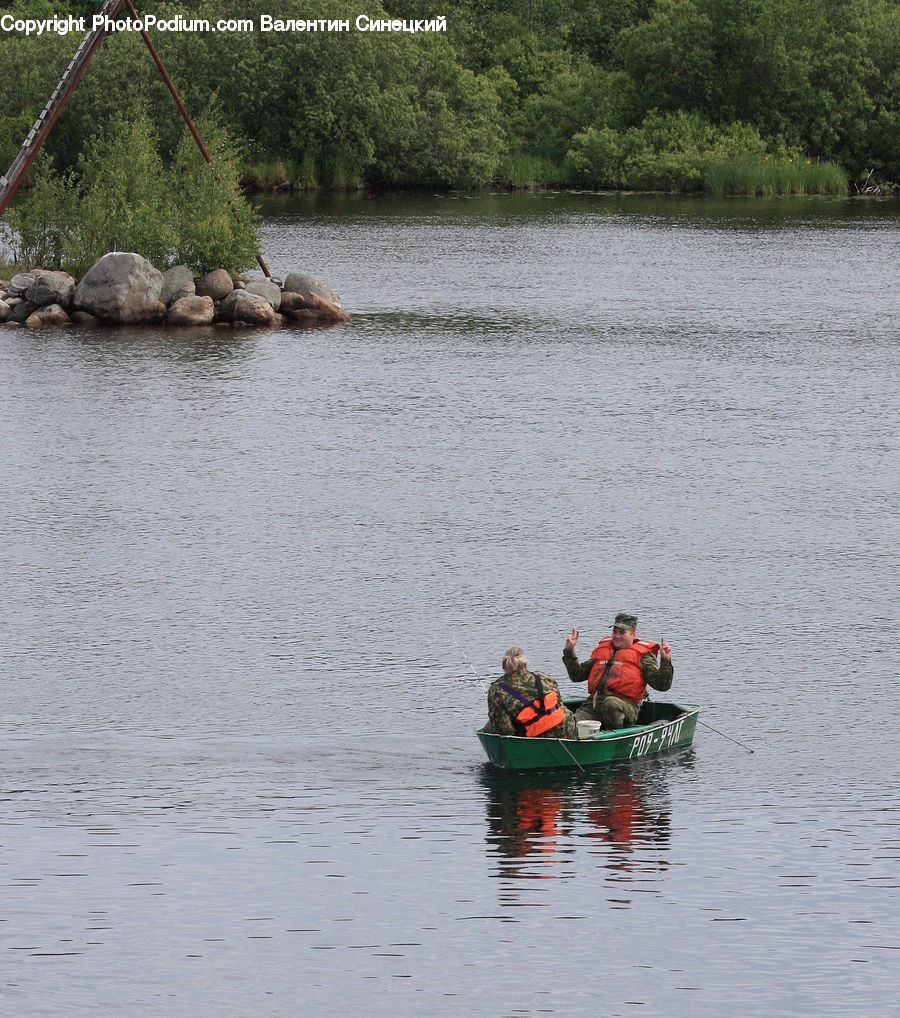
752 96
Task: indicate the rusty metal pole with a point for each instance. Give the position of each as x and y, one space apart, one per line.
10 181
187 119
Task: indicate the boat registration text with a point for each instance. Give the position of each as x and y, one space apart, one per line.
657 740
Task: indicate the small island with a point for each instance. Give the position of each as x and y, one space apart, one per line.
124 288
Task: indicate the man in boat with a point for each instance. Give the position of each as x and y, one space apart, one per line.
618 672
527 703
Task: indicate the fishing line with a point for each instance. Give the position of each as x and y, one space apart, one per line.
469 663
724 736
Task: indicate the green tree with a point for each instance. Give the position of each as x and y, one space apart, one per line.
669 57
125 195
217 228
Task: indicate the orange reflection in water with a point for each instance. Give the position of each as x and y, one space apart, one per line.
540 824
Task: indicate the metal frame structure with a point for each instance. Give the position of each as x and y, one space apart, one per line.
10 181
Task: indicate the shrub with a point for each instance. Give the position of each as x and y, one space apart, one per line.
217 226
125 202
123 198
39 230
669 151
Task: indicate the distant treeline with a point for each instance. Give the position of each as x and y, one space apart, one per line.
755 96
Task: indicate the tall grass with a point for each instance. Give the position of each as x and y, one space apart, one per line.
270 174
280 174
774 175
342 173
521 170
306 174
8 268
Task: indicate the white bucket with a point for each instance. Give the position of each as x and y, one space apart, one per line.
588 729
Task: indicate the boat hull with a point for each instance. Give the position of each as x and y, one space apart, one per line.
661 727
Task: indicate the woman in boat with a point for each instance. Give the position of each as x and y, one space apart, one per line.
527 703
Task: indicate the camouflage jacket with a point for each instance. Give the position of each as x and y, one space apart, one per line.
658 674
503 708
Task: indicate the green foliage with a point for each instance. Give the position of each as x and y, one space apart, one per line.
216 226
575 97
125 202
773 175
39 231
449 136
124 199
519 169
538 79
668 152
669 57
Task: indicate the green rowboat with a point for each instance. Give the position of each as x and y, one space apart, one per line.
660 727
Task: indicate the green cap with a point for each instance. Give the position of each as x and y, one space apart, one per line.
625 621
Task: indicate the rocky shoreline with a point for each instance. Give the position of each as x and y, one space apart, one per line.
123 288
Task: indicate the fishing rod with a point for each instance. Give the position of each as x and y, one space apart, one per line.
471 666
724 736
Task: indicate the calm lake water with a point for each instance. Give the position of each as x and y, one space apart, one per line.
238 772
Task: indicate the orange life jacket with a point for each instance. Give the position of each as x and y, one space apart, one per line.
625 678
538 715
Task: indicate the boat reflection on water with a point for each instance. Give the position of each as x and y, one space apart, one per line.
542 825
627 813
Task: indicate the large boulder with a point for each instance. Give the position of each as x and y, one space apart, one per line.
292 302
19 284
250 308
51 288
177 282
191 311
120 287
267 289
216 284
319 310
84 319
52 314
19 312
4 310
307 285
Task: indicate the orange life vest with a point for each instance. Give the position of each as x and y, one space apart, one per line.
625 678
538 715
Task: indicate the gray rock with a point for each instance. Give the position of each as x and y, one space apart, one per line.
191 311
4 310
84 319
266 289
307 285
249 308
216 284
20 283
177 282
51 288
52 314
120 287
12 301
21 311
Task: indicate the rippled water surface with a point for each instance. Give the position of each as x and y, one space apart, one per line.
238 765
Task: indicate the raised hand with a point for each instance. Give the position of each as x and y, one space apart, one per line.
665 649
572 639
